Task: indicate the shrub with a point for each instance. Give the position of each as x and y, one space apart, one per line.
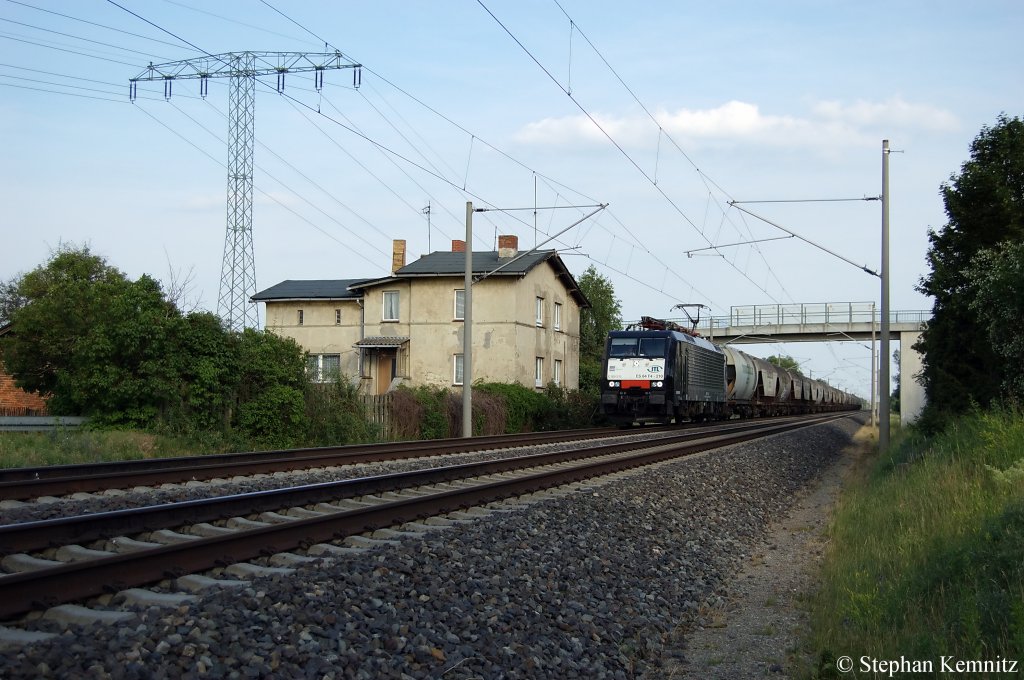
524 406
335 415
275 417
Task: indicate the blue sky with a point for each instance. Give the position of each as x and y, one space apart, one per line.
703 103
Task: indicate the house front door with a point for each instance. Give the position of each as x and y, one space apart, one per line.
387 369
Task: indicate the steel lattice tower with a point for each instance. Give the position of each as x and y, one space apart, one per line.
238 270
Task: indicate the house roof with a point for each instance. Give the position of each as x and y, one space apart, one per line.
382 341
321 289
445 263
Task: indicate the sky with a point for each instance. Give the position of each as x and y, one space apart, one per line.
664 110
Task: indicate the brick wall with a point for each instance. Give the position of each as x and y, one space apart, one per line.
17 402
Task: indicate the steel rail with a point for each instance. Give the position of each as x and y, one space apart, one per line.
20 593
58 480
41 534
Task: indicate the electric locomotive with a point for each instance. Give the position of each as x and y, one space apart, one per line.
657 371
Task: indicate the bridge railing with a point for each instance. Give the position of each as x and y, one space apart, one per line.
808 314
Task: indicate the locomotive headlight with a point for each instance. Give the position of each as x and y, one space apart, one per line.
613 383
658 383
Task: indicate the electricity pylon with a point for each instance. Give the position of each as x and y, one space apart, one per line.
238 271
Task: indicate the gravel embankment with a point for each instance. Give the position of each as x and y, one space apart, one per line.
589 585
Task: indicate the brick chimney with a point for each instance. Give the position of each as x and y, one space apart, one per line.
508 246
458 246
397 255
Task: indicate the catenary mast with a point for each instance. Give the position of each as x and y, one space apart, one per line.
238 271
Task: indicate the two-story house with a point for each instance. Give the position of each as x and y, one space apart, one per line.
408 327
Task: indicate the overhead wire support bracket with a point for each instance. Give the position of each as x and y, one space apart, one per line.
689 253
863 268
599 207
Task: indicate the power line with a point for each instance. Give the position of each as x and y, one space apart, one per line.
548 180
62 49
77 37
120 31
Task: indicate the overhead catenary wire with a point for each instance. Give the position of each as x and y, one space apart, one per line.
614 142
705 178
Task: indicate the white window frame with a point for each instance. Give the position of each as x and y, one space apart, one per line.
397 304
458 369
455 305
302 317
337 316
556 374
539 313
557 321
315 367
538 372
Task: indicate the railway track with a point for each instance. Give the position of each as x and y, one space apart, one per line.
298 518
60 480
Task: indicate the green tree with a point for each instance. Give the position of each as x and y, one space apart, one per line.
121 371
207 363
96 344
55 307
997 290
10 299
985 207
894 397
604 315
270 395
784 361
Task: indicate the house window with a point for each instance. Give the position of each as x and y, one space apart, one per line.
538 372
390 305
556 376
457 371
300 317
323 368
337 317
558 316
540 311
460 304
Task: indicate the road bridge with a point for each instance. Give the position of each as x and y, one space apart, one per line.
828 322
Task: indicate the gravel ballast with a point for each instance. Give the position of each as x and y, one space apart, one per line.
588 585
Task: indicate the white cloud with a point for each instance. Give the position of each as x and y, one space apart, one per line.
831 123
892 112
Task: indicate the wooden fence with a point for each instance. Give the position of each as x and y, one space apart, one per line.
379 412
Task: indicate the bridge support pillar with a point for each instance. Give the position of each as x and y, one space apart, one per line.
911 391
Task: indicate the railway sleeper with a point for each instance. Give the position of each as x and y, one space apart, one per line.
141 597
197 583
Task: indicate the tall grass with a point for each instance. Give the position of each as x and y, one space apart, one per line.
69 446
927 550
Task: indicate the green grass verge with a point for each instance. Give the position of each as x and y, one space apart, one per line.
69 446
927 551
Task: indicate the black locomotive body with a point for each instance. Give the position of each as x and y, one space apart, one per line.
660 376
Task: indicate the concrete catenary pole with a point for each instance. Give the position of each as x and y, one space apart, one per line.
874 367
467 331
883 359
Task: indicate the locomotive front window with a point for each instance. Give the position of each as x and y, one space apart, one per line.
623 347
652 347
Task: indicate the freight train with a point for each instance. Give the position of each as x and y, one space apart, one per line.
659 372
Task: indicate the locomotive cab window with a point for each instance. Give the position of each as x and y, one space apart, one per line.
637 347
652 347
622 347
